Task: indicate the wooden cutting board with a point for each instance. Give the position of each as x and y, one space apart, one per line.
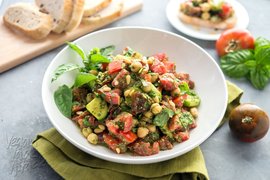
16 49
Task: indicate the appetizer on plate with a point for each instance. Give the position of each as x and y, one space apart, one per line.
208 13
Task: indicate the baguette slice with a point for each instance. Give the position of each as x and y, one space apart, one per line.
60 10
93 6
110 13
77 14
226 24
26 19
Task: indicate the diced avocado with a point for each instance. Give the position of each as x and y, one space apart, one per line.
192 101
98 108
186 119
165 130
155 92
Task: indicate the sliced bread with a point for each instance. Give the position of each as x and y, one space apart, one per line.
77 14
93 6
60 10
27 19
110 13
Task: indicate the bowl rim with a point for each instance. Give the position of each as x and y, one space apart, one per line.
124 160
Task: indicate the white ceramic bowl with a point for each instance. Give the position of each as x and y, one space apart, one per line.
189 57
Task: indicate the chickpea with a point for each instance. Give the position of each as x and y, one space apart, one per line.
148 114
152 128
146 87
194 112
126 93
94 72
98 130
86 131
92 138
128 78
176 92
156 99
154 77
106 88
150 60
205 16
142 132
205 7
135 66
156 108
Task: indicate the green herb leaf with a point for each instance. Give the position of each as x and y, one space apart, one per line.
184 88
63 100
106 51
262 55
260 41
233 64
186 119
77 49
98 58
128 52
162 118
63 69
259 77
84 78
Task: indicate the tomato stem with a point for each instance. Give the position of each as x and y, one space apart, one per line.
232 46
247 119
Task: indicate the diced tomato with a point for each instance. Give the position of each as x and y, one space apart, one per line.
112 98
179 100
104 66
112 128
181 136
226 10
147 77
114 143
114 66
158 67
120 80
145 149
170 66
127 137
174 123
193 125
168 82
161 56
126 118
77 107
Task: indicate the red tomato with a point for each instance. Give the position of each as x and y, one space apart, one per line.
226 10
170 66
174 123
167 82
181 136
158 67
127 137
114 66
126 118
161 56
234 39
248 122
112 98
114 143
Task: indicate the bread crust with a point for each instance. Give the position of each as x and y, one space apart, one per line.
91 11
224 24
40 32
77 14
60 24
112 12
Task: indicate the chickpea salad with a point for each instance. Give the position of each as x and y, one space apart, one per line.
128 102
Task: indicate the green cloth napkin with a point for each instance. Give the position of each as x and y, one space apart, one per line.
72 163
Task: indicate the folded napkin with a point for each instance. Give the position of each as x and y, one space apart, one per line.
72 163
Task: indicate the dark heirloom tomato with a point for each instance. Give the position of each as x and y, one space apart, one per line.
234 39
248 122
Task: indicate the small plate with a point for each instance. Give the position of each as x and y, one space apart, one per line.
172 11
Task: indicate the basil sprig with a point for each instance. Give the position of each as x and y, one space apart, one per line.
252 64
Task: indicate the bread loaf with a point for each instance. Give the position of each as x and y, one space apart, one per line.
60 10
77 13
110 13
93 6
27 19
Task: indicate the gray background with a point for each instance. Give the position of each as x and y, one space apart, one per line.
22 115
